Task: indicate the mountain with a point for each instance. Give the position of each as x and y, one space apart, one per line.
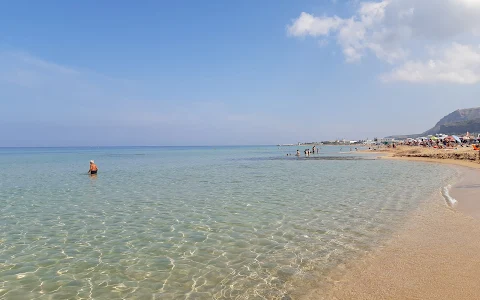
457 122
460 128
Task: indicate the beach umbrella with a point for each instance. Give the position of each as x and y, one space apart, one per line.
434 138
449 138
456 138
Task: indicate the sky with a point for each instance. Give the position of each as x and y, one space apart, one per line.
113 73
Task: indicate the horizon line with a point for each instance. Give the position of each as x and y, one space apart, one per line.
151 146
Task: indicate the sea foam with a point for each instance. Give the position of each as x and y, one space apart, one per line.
449 199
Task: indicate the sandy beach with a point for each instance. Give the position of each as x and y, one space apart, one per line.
435 255
464 156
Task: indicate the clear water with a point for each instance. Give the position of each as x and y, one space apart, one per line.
193 222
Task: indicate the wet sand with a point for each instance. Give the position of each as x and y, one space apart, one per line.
467 193
435 255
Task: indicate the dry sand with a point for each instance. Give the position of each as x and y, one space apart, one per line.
436 255
452 155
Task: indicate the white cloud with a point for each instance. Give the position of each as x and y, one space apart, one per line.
307 24
458 64
40 63
25 70
400 32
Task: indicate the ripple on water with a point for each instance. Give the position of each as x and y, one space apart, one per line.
199 227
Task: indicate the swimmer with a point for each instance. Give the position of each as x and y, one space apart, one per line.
93 168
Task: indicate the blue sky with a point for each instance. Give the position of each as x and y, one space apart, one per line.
232 72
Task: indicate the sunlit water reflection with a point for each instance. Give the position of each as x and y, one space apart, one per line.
196 223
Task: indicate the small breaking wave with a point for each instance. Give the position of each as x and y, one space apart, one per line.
449 199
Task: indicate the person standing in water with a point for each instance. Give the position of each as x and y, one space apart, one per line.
93 168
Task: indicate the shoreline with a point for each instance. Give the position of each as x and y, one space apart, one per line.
434 255
447 161
463 156
464 189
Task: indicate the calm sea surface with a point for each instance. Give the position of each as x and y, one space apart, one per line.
193 222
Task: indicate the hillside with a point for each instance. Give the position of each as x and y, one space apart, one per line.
457 122
459 128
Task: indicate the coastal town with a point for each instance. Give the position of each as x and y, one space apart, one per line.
430 140
455 137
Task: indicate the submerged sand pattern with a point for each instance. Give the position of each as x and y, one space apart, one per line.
436 255
196 225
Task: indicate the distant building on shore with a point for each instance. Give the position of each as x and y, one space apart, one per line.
388 140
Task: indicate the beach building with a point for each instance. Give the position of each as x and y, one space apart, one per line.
388 140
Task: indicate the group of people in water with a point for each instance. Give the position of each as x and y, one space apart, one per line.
307 151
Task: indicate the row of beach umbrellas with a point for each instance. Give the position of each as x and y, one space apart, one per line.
450 138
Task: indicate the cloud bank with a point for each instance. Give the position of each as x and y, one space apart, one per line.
424 41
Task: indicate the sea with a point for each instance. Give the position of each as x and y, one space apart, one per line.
246 222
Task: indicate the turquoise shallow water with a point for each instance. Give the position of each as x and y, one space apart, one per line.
193 222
